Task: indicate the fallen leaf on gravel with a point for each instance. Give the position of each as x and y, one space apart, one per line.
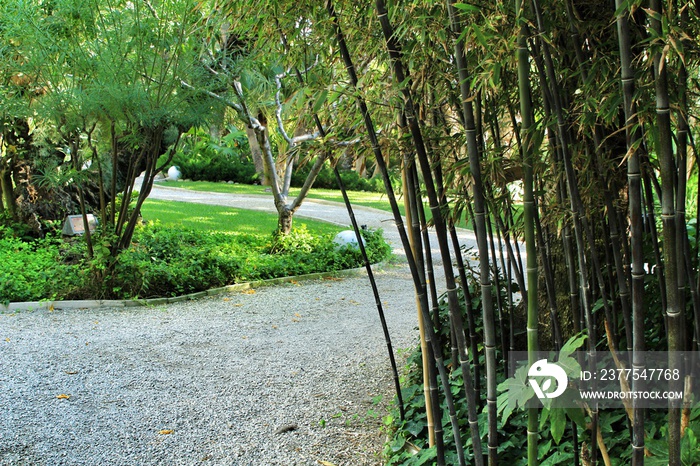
51 308
294 282
249 292
227 299
352 301
334 279
296 314
63 397
286 428
275 327
165 432
325 463
7 340
238 304
71 372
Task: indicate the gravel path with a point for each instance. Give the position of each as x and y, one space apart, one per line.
285 375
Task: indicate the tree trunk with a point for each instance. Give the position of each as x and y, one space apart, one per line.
257 155
284 221
8 197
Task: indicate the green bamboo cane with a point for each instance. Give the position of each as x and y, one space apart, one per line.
432 400
363 251
401 76
526 113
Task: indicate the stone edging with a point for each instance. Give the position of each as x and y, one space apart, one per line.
118 303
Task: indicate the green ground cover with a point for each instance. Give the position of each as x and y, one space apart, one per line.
183 248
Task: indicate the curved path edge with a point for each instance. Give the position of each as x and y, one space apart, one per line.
49 305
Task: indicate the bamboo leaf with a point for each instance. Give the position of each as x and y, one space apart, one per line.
467 7
320 100
480 37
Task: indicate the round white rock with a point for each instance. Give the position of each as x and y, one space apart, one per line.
174 173
347 238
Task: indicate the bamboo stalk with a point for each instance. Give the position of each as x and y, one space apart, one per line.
527 127
368 266
436 208
371 133
429 387
671 260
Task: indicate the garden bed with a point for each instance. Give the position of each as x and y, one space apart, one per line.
166 262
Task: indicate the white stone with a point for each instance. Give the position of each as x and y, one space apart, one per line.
347 238
174 173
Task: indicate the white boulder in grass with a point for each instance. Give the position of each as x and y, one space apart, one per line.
174 173
347 238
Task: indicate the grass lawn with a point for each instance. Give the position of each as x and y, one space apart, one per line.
187 248
363 198
210 218
360 198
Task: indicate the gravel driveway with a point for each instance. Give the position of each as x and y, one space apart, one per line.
215 381
284 375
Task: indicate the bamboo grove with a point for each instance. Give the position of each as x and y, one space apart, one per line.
562 132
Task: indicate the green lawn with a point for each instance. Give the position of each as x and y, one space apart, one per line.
186 248
376 200
357 198
203 217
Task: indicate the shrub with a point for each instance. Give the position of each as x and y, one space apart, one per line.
351 179
32 271
201 159
168 262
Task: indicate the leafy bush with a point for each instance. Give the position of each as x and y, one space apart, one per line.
556 440
32 271
351 179
201 159
169 262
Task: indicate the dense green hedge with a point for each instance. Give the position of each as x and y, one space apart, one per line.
326 180
201 159
169 262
